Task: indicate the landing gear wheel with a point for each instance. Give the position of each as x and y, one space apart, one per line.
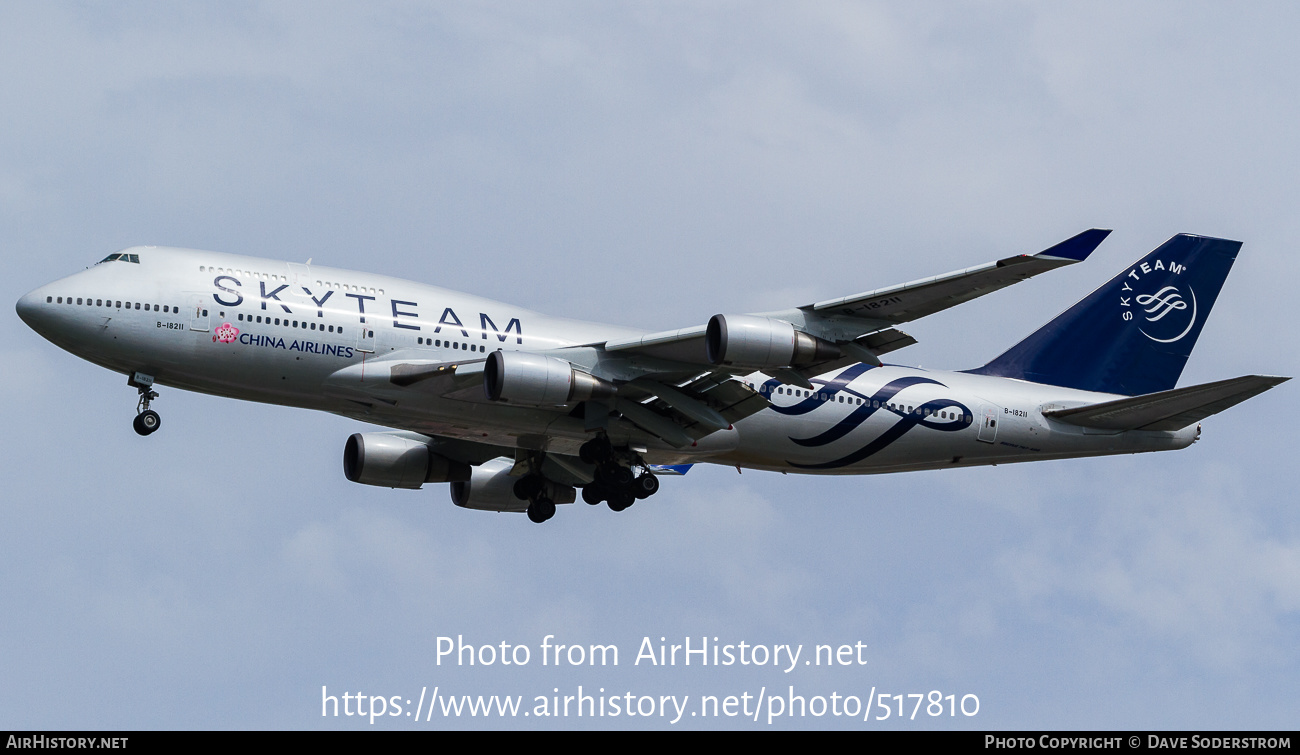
527 487
593 494
613 475
620 500
645 486
147 422
541 509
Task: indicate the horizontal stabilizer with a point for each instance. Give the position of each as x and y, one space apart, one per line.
1167 410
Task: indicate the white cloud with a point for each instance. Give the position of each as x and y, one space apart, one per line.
1192 565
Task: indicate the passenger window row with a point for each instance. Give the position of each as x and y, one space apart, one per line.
243 273
349 287
438 342
110 303
303 324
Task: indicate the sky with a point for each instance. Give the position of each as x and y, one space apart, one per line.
649 165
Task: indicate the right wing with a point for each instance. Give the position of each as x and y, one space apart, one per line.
912 301
862 325
675 391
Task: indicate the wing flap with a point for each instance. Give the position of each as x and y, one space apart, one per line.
734 399
664 428
1167 410
702 406
695 407
885 341
866 349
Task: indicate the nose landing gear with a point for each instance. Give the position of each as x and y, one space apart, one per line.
146 420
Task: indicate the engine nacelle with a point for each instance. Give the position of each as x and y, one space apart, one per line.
760 342
491 488
393 460
518 377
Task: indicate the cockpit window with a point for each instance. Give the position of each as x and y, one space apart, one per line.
119 257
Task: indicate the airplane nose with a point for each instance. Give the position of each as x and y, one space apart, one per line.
28 307
36 313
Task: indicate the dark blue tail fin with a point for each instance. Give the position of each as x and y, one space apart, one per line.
1133 335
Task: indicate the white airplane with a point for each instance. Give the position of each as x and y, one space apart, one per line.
517 409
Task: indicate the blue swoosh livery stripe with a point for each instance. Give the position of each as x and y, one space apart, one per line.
921 416
864 412
835 385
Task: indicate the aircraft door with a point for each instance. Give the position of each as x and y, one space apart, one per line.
366 338
199 313
300 275
988 431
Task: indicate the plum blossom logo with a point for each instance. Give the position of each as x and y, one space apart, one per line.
227 333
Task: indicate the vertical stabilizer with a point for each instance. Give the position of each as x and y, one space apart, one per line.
1133 335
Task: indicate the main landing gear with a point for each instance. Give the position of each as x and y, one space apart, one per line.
146 420
532 488
615 482
621 479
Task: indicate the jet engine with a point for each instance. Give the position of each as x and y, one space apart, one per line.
395 460
491 488
518 377
761 342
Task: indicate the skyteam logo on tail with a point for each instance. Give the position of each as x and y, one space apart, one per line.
1165 301
1161 303
1167 315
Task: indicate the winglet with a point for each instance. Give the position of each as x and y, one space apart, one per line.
1077 248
